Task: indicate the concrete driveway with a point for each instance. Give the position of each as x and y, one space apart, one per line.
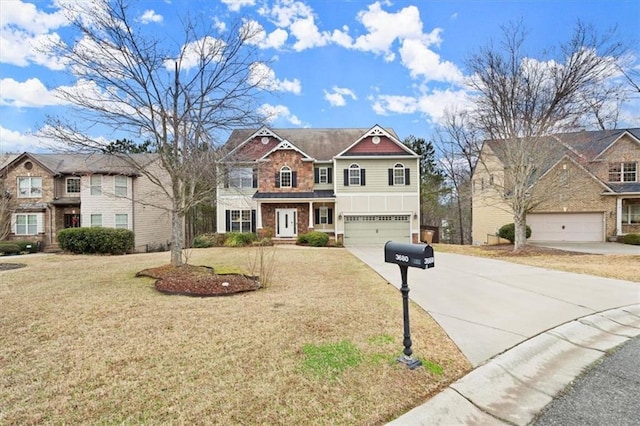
487 306
595 248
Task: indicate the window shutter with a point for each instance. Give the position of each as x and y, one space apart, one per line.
330 175
226 178
346 177
330 216
316 214
253 221
294 179
227 214
407 176
255 178
362 175
390 177
277 179
316 175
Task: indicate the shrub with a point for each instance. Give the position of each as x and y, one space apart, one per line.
25 245
314 239
633 239
96 240
209 240
263 242
508 232
239 239
9 248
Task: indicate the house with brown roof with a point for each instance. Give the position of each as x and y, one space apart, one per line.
591 187
56 191
360 186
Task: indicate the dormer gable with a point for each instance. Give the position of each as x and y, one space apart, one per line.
255 146
376 142
625 135
285 145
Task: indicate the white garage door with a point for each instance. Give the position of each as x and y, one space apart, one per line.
376 230
570 227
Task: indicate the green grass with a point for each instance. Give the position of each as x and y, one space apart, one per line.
331 359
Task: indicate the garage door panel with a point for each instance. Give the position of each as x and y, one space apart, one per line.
376 230
570 227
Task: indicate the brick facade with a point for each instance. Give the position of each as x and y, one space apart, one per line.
292 159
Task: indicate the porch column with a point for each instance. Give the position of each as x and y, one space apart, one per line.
619 216
311 214
259 216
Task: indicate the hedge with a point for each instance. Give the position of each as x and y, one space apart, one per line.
96 240
9 248
209 240
239 239
314 238
508 232
23 245
633 239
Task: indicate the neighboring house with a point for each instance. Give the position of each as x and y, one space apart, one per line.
595 194
360 186
57 191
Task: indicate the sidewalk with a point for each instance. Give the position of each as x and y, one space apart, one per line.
528 331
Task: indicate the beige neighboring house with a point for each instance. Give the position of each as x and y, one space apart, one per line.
58 191
360 186
594 195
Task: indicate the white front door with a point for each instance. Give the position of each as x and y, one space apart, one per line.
286 222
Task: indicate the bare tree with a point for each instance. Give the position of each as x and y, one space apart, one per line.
180 96
520 101
458 145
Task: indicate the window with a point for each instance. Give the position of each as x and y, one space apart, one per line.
354 174
623 172
285 177
122 221
26 224
239 221
121 186
398 174
96 220
73 185
241 177
96 185
323 216
630 213
29 187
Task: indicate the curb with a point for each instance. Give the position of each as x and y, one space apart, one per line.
513 387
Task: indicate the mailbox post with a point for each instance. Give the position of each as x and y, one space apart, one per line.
405 255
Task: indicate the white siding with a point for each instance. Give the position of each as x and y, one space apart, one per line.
151 216
106 204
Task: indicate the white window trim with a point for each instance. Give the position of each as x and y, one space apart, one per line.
95 215
354 178
117 189
30 187
120 225
241 177
66 185
398 178
240 220
39 223
286 171
324 215
323 178
96 187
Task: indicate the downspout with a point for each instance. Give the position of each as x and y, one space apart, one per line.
133 213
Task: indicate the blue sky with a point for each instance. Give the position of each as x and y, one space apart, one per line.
335 63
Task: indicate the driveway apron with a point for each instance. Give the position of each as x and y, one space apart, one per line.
487 306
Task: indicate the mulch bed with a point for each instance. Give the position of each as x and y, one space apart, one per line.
199 281
8 266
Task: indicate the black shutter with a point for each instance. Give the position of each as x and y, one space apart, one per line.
227 214
294 179
330 216
316 175
277 179
330 175
226 178
346 177
407 176
390 177
253 221
255 178
316 214
362 175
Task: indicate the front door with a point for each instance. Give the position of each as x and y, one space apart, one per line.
71 220
286 222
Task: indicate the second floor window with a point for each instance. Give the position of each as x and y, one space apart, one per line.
241 177
73 185
398 174
121 186
285 177
29 187
354 176
96 184
623 172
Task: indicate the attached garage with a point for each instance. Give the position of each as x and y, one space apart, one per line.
369 230
569 227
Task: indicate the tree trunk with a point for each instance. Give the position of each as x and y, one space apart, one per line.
520 221
177 238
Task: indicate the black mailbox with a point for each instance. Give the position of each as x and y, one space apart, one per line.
415 255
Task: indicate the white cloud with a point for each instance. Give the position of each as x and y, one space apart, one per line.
17 142
336 96
192 52
150 16
433 104
236 5
421 61
272 113
265 77
30 93
275 39
219 25
299 19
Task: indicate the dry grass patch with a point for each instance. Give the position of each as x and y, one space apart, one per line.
623 267
82 340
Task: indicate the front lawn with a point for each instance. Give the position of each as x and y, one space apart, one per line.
82 340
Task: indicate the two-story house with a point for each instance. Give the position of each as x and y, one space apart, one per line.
360 186
57 191
591 189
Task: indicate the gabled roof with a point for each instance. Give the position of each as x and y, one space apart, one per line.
319 144
377 141
80 164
